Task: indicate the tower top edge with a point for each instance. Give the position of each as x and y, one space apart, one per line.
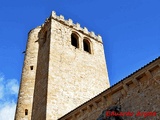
76 26
35 29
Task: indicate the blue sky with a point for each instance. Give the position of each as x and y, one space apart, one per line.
130 30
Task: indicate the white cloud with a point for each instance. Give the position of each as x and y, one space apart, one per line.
12 85
7 111
8 93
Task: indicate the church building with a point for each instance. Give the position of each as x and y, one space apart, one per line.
65 77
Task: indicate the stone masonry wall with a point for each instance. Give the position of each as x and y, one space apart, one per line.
25 97
41 80
139 92
57 77
75 76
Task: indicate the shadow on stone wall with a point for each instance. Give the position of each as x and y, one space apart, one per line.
41 80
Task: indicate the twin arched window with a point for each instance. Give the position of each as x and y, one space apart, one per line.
86 43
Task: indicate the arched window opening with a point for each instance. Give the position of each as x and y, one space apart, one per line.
26 112
74 40
86 46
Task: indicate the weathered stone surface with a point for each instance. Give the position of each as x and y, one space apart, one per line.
58 77
26 92
63 76
137 94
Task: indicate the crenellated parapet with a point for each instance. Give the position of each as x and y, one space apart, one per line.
60 70
76 26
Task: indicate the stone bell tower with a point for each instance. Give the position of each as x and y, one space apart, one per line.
64 67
